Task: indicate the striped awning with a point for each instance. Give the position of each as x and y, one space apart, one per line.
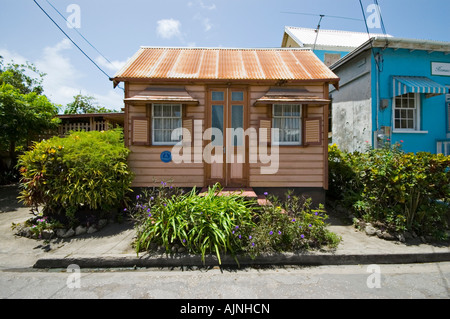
417 84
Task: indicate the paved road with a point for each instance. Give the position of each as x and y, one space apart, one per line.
418 281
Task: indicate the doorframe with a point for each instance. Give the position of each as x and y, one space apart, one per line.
244 182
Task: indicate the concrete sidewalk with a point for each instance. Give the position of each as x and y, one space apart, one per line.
111 247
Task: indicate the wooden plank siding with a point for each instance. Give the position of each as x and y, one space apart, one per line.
145 160
299 166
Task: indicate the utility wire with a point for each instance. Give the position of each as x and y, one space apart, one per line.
368 33
321 15
79 33
56 24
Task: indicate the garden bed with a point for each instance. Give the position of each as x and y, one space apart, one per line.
168 219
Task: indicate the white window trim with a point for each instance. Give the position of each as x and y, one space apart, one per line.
153 125
300 127
417 120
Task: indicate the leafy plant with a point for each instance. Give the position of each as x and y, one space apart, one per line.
217 224
408 192
290 225
86 170
200 224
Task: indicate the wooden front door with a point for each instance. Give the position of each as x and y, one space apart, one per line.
227 120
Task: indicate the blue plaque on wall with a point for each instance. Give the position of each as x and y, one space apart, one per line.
166 156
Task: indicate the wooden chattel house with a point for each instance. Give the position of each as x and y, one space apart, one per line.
212 91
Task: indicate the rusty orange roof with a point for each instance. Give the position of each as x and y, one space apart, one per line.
225 64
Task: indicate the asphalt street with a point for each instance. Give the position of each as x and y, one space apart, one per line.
408 281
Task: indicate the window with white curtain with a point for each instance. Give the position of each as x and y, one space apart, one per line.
288 118
165 119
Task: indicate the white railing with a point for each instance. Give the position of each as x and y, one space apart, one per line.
443 147
96 126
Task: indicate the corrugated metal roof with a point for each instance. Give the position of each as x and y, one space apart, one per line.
225 64
306 37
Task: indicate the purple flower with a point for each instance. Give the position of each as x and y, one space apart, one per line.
232 232
124 209
239 236
148 210
266 193
165 204
279 232
184 240
237 227
293 220
253 244
151 198
137 197
302 236
271 233
310 225
250 237
289 197
316 213
149 215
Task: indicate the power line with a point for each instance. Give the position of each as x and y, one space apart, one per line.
79 33
81 50
321 15
368 33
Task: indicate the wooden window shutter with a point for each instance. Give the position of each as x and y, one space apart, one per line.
313 131
266 124
140 131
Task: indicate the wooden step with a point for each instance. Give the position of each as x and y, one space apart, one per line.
244 192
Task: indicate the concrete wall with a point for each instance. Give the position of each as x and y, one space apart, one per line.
352 105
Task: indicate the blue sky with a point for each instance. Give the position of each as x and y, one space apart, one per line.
118 28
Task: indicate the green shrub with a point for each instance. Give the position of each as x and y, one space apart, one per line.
83 171
289 226
218 224
407 192
199 224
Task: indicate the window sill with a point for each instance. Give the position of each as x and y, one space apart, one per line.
409 132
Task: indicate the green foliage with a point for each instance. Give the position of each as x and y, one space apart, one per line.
86 170
405 191
25 113
288 226
199 224
218 224
83 104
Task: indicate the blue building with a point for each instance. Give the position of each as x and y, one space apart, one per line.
393 90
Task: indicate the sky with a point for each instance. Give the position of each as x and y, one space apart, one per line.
116 29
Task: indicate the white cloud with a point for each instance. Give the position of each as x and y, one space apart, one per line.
114 66
64 80
168 28
60 83
202 4
9 57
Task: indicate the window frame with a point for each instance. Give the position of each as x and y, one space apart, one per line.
153 129
300 127
417 113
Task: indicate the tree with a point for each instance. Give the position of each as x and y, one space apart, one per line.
84 104
24 112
